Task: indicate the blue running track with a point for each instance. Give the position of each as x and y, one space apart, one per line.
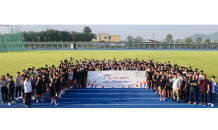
107 98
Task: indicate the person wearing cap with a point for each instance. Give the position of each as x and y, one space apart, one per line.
190 69
24 72
205 87
201 75
18 86
196 70
34 71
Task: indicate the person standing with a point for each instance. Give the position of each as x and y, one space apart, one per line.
176 87
44 85
213 85
205 87
39 89
169 86
27 91
71 78
18 86
193 85
52 90
33 83
201 75
163 85
197 88
149 78
11 89
4 89
57 84
78 76
186 88
22 86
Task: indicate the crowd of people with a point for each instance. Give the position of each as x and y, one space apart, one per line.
163 78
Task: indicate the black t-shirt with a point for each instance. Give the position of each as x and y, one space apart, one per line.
190 70
163 83
43 82
11 86
57 83
39 85
78 75
66 76
151 64
83 73
52 88
150 73
63 76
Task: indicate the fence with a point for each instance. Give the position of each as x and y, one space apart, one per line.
12 41
88 45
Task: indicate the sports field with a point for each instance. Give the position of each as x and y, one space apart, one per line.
11 62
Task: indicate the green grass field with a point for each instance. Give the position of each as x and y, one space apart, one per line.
11 62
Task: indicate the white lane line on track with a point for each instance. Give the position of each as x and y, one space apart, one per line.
119 98
109 93
108 104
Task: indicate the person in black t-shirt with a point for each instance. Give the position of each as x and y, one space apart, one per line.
186 88
67 80
52 91
63 82
78 76
39 88
84 75
44 85
57 84
163 85
149 77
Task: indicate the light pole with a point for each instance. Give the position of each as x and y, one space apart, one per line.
39 41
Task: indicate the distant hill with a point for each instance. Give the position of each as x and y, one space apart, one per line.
204 37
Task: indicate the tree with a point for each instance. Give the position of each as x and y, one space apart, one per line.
139 39
94 36
188 40
178 40
216 41
169 38
129 38
199 39
207 40
86 30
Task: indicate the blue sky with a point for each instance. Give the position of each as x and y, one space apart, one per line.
146 31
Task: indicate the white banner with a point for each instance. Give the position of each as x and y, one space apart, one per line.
116 79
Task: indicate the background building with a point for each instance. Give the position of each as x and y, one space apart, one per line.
107 38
